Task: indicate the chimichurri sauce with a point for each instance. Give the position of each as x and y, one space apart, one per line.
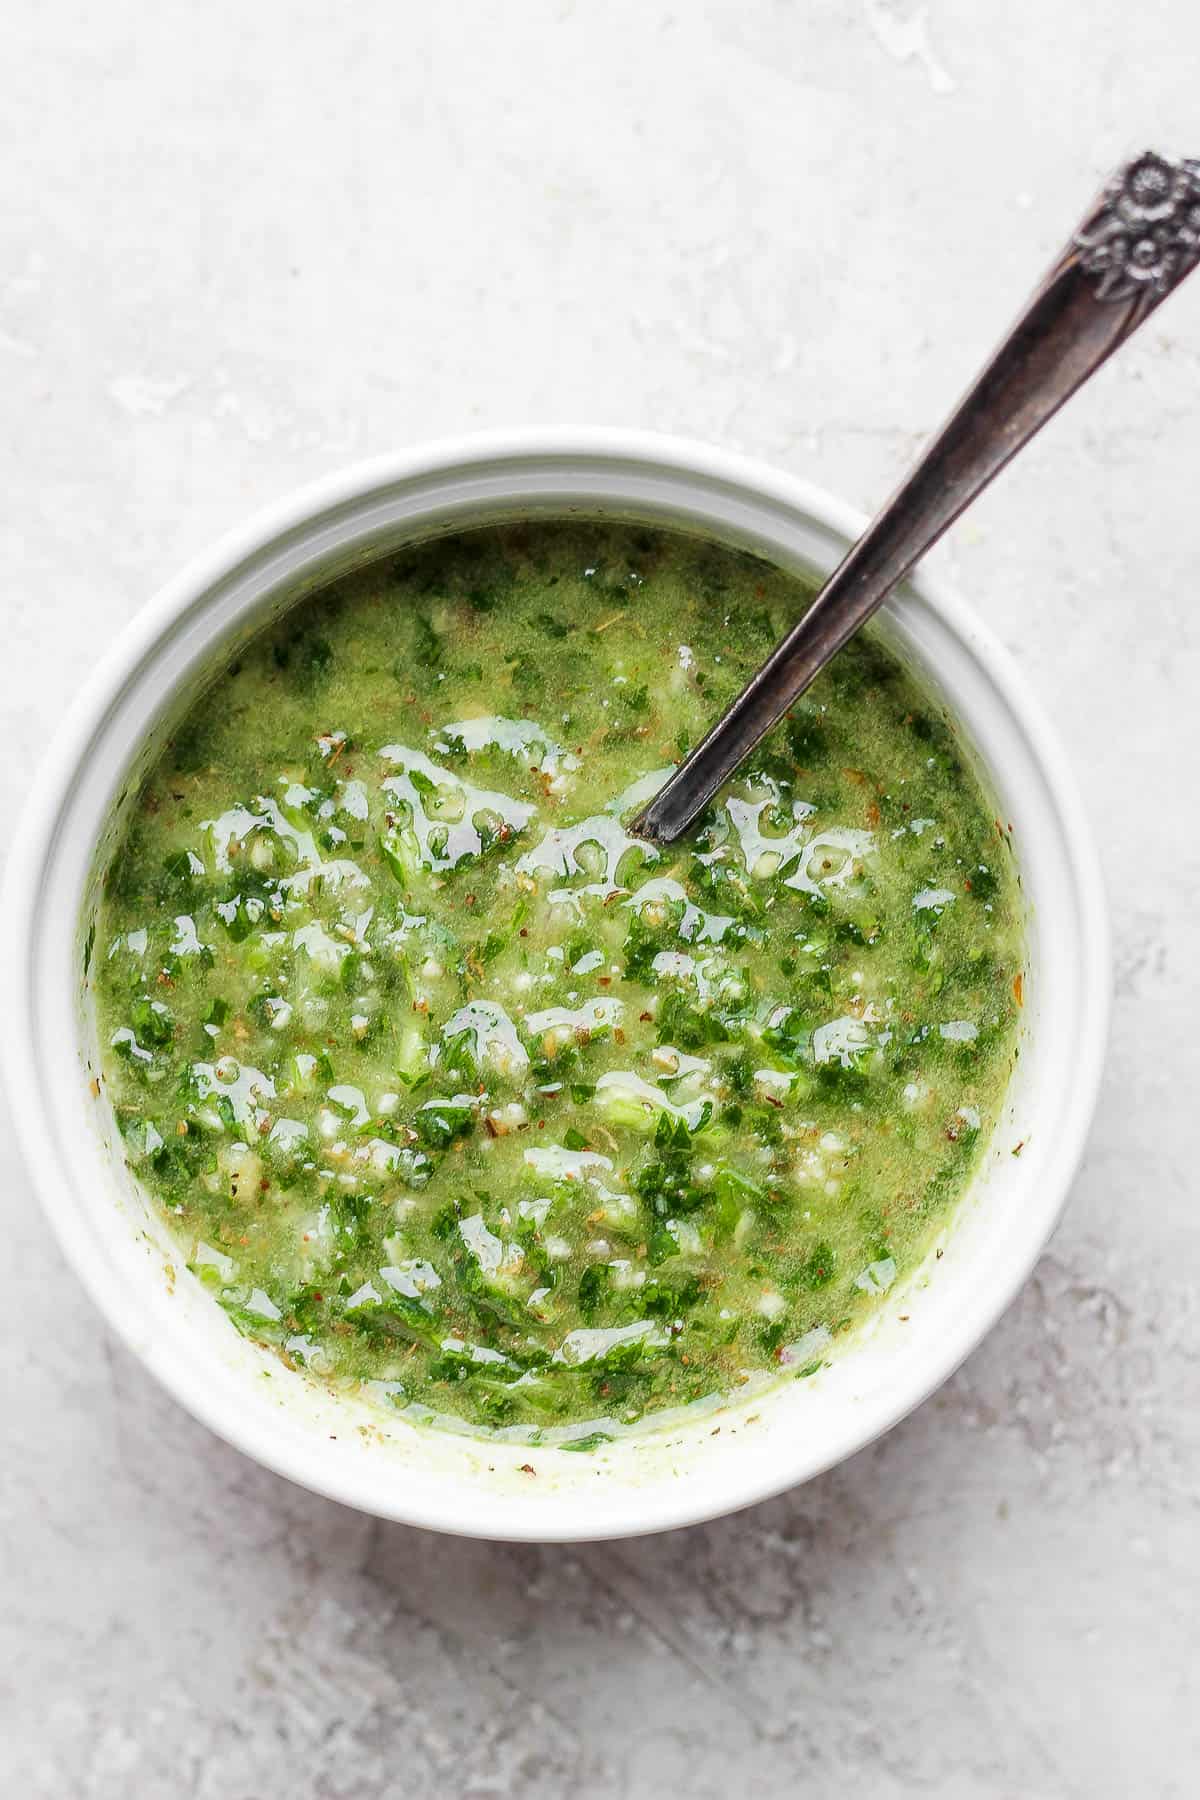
449 1085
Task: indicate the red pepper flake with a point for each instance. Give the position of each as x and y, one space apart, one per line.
604 981
470 899
645 1018
541 1124
1019 988
523 932
1017 1148
528 1469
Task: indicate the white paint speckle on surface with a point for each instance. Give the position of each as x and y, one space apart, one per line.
903 31
243 246
140 395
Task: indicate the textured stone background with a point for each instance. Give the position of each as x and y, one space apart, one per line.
242 244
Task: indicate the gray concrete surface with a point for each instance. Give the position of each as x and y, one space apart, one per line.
241 245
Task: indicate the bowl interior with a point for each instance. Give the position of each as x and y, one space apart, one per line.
683 1470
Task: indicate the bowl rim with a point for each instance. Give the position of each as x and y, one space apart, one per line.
33 845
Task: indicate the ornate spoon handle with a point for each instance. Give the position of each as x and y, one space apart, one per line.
1135 246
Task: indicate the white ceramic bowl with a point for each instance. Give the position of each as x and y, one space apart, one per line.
112 1236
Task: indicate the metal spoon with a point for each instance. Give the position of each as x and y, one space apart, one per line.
1136 244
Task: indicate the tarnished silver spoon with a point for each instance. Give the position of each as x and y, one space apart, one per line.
1136 244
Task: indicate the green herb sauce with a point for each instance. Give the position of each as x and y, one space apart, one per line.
449 1085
